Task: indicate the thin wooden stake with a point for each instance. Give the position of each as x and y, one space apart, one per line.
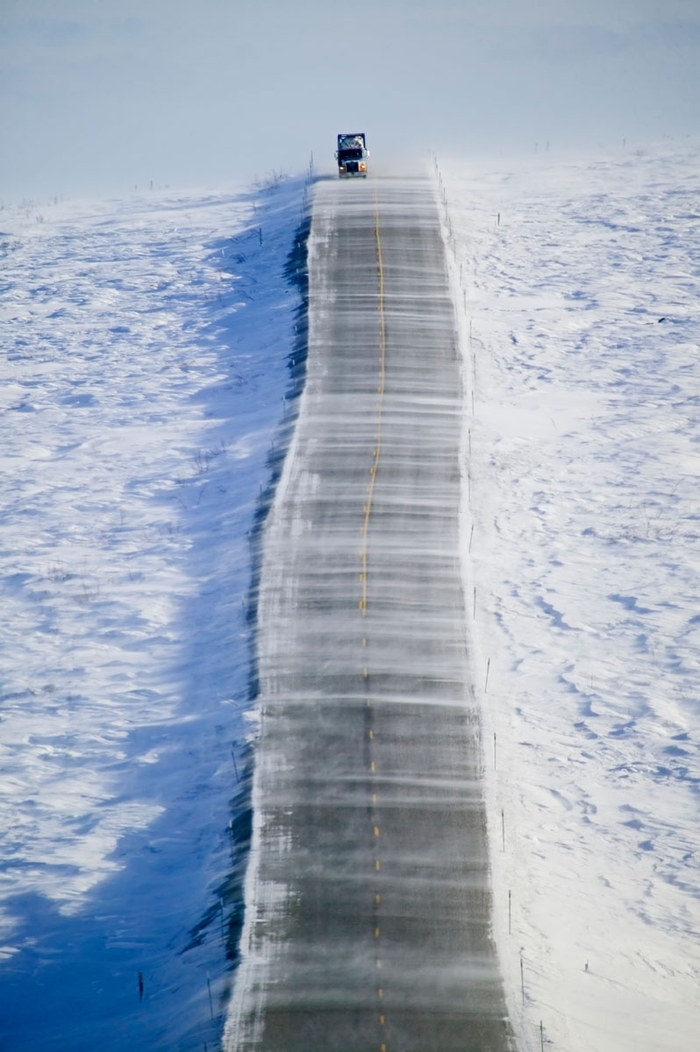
510 912
488 669
503 827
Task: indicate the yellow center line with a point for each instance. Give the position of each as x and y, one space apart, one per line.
367 510
380 407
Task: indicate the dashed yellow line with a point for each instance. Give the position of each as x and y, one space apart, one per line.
380 408
367 511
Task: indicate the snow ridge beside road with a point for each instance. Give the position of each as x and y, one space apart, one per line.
146 345
578 285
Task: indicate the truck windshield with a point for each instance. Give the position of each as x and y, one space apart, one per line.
350 155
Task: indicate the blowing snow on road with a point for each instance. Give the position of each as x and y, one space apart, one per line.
368 921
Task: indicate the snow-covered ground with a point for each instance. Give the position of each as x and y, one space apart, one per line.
142 376
579 283
144 350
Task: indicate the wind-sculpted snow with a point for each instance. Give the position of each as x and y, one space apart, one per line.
580 285
143 370
143 373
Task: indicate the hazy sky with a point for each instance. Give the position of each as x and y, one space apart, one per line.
99 95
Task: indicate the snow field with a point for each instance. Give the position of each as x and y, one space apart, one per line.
145 345
577 284
143 372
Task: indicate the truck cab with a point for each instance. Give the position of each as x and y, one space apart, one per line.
351 155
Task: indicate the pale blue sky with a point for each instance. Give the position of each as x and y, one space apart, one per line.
99 95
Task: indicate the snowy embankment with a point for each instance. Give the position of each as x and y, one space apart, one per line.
580 285
145 346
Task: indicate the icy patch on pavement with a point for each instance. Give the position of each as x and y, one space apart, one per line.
580 285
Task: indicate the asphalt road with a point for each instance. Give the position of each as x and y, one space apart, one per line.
367 918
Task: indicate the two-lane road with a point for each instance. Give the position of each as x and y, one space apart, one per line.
367 899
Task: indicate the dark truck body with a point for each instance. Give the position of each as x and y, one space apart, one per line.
352 154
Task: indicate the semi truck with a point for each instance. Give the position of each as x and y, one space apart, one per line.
351 155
